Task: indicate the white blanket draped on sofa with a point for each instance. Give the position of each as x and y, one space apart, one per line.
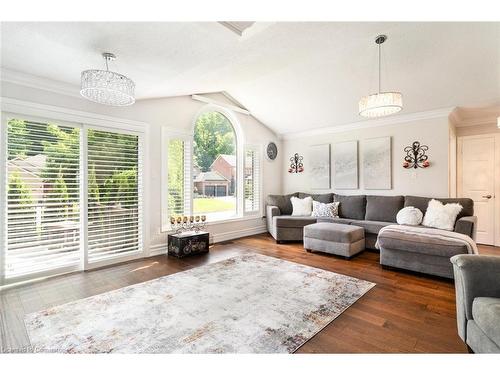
432 233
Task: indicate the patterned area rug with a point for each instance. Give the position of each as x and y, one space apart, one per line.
246 304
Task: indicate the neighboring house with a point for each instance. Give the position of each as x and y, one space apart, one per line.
226 166
30 171
212 184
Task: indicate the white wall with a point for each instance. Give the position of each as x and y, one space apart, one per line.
433 181
176 113
452 159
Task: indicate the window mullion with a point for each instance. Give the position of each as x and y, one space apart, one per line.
3 198
188 170
84 260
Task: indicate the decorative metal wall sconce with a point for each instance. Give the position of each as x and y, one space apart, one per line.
415 156
296 165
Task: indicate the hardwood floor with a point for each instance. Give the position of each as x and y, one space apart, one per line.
403 313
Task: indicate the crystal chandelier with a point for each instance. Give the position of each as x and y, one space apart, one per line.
381 103
107 87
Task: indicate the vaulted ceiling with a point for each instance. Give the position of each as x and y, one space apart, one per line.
291 76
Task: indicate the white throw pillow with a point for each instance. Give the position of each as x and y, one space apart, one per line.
409 216
325 209
301 207
441 216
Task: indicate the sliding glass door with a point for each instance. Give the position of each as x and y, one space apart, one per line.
43 197
113 194
72 197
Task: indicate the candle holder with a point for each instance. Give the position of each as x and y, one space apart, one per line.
181 224
296 164
415 156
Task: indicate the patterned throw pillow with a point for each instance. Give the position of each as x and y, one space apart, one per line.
325 209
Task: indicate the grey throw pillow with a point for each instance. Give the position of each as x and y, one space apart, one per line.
282 202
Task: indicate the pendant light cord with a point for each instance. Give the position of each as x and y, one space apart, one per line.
379 70
107 68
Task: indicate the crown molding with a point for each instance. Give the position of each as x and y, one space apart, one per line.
476 120
479 121
16 106
29 80
392 120
454 118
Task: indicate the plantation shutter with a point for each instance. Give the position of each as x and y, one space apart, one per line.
252 179
179 177
114 194
43 195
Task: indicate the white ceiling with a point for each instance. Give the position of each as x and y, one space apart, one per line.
292 76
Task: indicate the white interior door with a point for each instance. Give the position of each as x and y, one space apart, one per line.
476 180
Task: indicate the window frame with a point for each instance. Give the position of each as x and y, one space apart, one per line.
168 135
13 108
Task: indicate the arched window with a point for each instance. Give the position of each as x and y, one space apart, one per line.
211 171
215 166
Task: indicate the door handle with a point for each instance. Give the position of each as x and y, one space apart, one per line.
487 196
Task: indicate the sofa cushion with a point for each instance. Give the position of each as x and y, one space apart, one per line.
338 220
282 202
334 232
486 314
288 221
383 208
323 198
421 244
422 202
351 206
370 226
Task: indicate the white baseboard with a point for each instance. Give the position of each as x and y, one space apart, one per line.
161 249
226 236
158 249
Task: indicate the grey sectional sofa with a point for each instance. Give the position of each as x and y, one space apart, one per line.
477 285
371 212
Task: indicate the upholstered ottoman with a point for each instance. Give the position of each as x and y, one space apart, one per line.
339 239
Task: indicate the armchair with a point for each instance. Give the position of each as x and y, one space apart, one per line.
477 286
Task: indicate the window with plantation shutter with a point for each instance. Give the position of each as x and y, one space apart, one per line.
43 197
252 179
178 177
72 197
114 196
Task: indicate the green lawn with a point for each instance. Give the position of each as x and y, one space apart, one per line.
207 205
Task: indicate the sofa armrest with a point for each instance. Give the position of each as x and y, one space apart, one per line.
271 211
475 276
467 225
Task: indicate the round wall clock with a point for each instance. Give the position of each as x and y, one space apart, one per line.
272 151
